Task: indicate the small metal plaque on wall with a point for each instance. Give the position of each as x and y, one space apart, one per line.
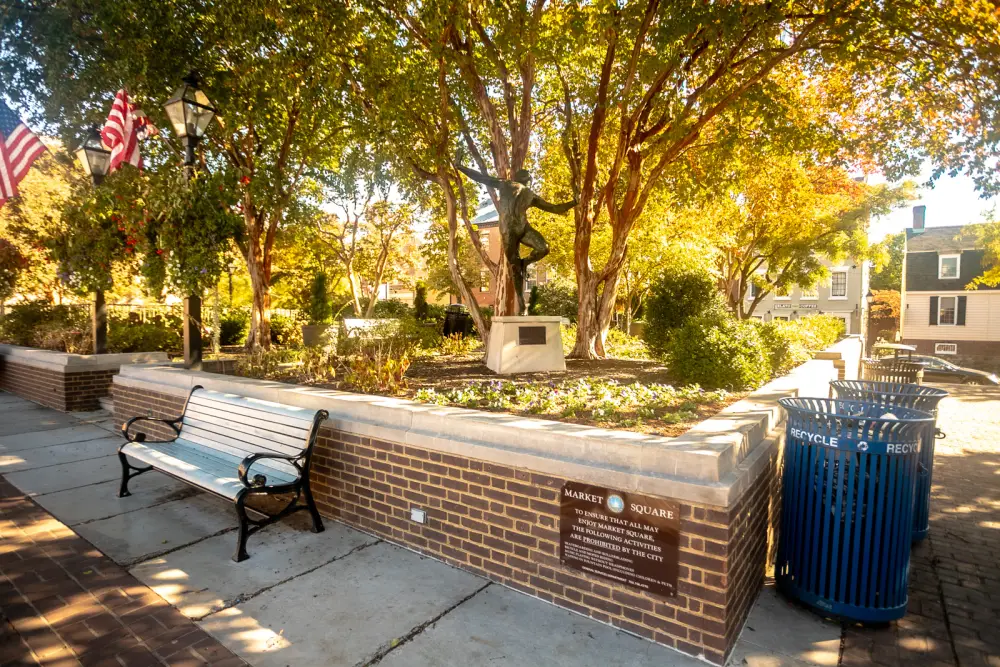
531 335
624 537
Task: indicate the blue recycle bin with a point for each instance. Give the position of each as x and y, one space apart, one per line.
850 471
925 399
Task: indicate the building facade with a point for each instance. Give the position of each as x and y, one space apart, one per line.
841 295
939 315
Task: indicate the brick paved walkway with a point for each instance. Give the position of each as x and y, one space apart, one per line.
66 604
954 610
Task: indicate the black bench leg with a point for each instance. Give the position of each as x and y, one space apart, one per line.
311 504
123 489
244 532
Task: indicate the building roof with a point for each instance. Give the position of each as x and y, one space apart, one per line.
953 238
486 214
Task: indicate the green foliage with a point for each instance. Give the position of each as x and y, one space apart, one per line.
620 345
533 301
458 345
821 331
378 374
12 263
263 363
558 298
605 402
675 297
888 256
789 344
719 351
233 325
987 237
286 330
40 324
318 363
785 344
420 306
391 308
320 311
126 336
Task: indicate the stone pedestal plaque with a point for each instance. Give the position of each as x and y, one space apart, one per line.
529 344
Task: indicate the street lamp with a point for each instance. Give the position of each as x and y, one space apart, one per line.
94 157
190 112
869 297
96 162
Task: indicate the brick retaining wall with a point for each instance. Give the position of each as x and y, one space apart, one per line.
66 382
503 523
62 391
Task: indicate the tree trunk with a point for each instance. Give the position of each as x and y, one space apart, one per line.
451 207
587 328
260 313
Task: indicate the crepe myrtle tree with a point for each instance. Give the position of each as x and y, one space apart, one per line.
649 89
275 73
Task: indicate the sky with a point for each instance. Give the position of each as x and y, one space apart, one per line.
952 201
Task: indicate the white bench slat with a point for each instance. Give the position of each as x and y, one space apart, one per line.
207 469
255 428
252 407
232 445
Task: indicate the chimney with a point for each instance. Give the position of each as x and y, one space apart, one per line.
919 215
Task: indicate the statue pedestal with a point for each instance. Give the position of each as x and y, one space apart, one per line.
529 344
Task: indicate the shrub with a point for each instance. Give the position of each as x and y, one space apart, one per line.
458 345
676 297
318 363
784 343
621 345
286 330
391 308
126 336
821 331
40 324
533 301
378 375
263 364
718 351
319 301
557 297
233 326
62 336
420 309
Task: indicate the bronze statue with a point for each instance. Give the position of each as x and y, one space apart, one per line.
515 200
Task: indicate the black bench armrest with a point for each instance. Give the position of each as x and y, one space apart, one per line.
141 437
259 482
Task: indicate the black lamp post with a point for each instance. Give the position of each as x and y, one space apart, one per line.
190 113
96 161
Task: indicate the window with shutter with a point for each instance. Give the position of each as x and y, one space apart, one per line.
934 311
960 318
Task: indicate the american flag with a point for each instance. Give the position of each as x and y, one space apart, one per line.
19 148
120 133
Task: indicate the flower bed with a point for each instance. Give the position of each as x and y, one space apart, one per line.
651 408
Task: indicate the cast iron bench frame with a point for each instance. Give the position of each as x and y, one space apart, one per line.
254 486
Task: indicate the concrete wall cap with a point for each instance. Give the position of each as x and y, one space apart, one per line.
77 363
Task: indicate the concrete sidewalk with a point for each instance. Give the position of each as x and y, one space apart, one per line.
340 598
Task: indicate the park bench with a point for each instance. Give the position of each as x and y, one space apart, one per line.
235 448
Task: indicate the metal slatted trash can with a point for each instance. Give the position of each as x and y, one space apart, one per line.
892 370
925 399
850 470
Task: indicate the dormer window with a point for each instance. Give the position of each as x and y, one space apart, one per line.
949 266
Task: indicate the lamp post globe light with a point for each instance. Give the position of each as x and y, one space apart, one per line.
94 157
95 160
190 113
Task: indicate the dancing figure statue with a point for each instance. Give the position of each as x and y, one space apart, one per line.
516 197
